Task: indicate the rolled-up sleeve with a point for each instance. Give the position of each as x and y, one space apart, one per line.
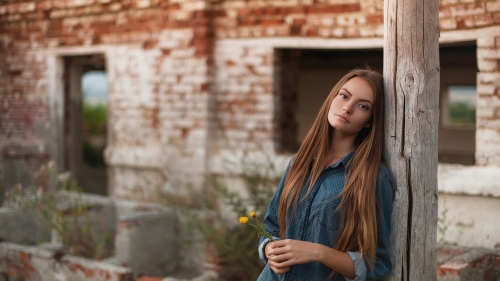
271 223
359 267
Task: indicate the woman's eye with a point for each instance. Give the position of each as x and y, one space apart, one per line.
344 96
362 106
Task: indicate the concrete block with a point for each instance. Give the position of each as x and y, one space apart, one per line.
19 262
22 227
465 264
149 242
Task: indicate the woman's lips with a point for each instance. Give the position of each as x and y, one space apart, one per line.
343 118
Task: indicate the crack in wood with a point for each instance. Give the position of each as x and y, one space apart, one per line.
410 213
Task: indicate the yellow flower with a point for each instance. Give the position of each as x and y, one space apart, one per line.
252 214
243 220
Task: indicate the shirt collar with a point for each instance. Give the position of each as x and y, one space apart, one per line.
344 160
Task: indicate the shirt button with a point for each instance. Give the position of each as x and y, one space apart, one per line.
303 227
309 199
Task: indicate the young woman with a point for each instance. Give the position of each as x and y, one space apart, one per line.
331 213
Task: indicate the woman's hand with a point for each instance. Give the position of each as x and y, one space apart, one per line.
284 253
278 270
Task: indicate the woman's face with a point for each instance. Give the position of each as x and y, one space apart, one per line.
352 108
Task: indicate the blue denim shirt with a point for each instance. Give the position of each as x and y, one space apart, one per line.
316 221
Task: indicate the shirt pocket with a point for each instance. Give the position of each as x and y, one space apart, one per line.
324 220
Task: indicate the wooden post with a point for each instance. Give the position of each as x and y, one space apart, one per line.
411 74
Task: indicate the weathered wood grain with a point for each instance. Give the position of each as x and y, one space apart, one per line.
411 73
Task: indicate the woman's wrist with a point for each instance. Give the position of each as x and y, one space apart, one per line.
336 260
265 248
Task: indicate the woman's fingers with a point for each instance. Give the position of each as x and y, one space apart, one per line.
278 251
278 270
279 258
282 263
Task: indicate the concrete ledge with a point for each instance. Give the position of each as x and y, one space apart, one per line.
469 180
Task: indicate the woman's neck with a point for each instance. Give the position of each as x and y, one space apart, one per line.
340 146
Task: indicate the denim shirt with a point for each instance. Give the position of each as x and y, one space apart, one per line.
316 221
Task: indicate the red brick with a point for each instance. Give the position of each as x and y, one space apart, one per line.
451 268
465 22
245 12
298 21
496 17
271 11
375 19
248 22
352 8
297 10
268 22
485 19
259 11
149 44
148 278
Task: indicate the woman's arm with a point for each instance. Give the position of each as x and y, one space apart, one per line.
271 223
285 253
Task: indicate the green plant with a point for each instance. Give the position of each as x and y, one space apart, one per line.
235 246
65 212
442 225
95 117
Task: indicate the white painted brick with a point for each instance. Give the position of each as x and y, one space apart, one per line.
485 89
351 20
264 70
467 10
338 32
488 42
237 134
449 23
193 5
366 31
194 79
328 21
324 32
487 148
493 6
226 5
488 53
143 3
488 78
183 53
488 107
27 7
487 65
181 88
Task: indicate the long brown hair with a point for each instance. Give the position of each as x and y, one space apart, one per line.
358 205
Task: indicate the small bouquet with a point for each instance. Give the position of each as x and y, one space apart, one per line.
257 225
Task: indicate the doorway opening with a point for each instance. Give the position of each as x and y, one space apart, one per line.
86 121
457 120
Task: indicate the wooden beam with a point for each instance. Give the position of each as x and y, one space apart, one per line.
411 74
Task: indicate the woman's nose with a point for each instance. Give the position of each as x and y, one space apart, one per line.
348 108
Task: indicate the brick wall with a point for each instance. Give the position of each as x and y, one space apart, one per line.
163 58
488 103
